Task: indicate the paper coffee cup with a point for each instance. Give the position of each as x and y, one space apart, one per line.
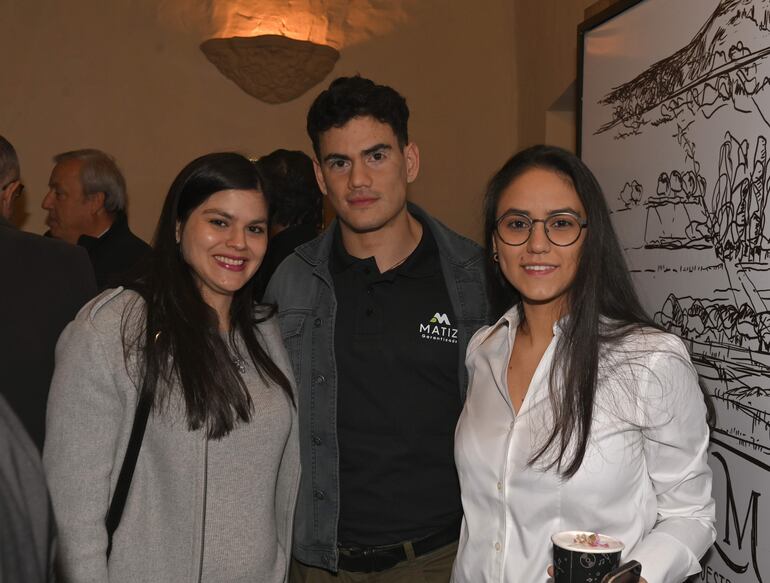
584 557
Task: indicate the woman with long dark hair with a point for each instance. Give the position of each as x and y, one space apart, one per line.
212 493
582 414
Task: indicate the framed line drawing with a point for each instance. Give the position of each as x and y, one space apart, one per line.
674 119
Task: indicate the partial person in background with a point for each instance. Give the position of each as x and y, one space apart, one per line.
185 348
582 414
296 206
11 187
27 530
43 283
86 204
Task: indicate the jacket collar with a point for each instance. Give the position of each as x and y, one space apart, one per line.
119 227
318 250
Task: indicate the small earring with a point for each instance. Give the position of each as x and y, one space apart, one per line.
494 256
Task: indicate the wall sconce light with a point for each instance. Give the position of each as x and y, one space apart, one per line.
270 67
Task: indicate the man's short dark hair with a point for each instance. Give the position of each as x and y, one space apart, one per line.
349 97
291 188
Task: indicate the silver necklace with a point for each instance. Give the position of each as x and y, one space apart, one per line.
239 363
408 255
392 267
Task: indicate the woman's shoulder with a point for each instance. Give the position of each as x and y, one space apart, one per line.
652 342
646 354
485 333
479 337
109 310
97 334
267 324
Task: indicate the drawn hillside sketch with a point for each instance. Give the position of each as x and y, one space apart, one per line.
725 65
675 124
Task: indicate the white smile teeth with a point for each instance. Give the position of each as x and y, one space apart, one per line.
538 267
228 261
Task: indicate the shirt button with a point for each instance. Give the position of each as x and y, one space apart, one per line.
511 425
317 322
369 289
320 379
319 494
317 440
498 546
499 485
369 311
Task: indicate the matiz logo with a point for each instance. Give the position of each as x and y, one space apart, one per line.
439 328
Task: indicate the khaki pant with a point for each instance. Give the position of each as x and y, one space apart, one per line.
435 567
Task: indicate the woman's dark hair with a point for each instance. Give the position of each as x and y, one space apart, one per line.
291 188
602 287
180 345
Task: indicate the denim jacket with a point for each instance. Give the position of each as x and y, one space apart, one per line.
303 289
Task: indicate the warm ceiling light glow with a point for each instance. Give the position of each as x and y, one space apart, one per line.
304 20
276 50
336 23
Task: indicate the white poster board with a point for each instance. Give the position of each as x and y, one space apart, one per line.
674 121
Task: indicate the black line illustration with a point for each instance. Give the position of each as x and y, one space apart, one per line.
682 147
731 346
680 213
725 64
728 334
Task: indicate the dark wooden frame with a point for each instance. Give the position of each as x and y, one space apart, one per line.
587 26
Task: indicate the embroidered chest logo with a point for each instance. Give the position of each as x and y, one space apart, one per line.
439 328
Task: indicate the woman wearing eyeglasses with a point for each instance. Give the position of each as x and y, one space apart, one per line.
581 413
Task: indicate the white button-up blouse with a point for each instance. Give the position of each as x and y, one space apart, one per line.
644 478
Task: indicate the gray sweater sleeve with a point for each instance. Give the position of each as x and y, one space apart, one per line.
83 425
26 530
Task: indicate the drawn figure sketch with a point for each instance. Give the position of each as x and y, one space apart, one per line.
675 123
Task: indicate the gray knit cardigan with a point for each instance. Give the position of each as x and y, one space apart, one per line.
90 413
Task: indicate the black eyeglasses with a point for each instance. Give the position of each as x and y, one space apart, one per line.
562 229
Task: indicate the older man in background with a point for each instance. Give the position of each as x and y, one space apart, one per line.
86 205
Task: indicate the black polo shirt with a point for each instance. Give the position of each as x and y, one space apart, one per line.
398 397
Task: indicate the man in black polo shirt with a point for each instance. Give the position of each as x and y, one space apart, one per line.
376 314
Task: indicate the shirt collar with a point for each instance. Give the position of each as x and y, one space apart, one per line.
512 318
420 263
119 225
341 260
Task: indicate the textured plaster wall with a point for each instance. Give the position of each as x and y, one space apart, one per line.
127 76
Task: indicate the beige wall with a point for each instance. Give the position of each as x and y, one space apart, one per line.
546 64
113 75
121 76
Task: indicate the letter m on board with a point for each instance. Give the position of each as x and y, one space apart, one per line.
750 519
